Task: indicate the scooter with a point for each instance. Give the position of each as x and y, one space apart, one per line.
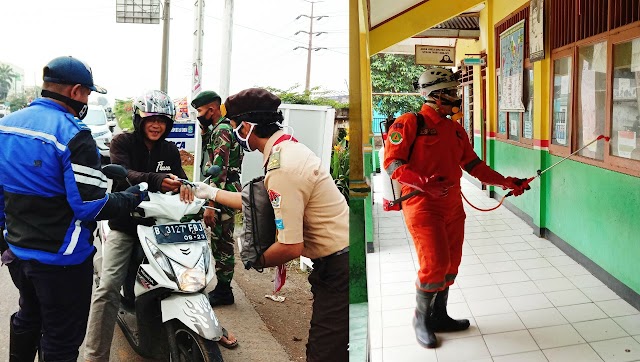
164 312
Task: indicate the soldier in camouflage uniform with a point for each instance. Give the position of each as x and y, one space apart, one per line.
219 148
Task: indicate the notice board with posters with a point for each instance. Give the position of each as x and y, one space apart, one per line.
182 109
432 55
511 68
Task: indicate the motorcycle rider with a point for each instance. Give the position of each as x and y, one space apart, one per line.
51 193
148 157
428 155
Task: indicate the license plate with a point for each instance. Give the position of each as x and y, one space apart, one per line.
179 233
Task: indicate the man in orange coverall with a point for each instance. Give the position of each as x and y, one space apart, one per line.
427 155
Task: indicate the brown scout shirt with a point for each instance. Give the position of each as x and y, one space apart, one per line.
307 204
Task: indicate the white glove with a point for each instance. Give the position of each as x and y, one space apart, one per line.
204 191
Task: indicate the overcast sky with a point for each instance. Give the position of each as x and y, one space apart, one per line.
126 58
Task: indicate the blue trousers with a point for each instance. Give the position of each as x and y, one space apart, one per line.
55 300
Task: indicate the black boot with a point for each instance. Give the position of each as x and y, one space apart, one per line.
221 295
22 346
422 319
441 320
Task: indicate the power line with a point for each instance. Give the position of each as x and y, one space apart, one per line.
311 34
259 31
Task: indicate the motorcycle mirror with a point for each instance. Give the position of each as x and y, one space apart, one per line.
114 171
213 171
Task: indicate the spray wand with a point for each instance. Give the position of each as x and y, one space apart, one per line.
525 182
521 182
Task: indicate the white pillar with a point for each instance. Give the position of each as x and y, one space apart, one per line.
196 77
225 50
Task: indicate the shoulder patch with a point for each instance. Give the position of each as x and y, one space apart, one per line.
275 198
395 138
274 161
397 126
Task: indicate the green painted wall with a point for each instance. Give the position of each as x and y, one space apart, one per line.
357 251
477 145
596 211
368 207
368 170
520 162
375 161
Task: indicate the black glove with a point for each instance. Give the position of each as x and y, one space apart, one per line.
517 185
140 194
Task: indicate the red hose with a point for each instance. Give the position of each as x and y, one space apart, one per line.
525 182
479 209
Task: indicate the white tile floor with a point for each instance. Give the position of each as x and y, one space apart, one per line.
526 300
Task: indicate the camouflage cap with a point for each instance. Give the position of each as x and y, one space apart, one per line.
205 97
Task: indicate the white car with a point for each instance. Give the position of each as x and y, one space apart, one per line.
4 110
96 119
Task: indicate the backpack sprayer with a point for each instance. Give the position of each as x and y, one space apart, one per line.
393 204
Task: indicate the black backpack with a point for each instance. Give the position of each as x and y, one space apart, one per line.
259 228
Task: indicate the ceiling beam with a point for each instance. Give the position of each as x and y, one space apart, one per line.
415 20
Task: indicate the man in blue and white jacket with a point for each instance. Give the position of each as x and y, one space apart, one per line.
51 194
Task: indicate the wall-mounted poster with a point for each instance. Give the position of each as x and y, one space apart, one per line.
536 30
430 55
512 67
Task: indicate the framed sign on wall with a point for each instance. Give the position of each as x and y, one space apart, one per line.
432 55
536 30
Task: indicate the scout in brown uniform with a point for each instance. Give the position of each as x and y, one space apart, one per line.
312 217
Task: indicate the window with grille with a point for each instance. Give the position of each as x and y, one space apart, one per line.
595 60
466 82
575 20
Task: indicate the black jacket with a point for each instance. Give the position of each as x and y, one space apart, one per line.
144 165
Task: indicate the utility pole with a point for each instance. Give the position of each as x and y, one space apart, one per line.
310 47
225 49
196 80
164 68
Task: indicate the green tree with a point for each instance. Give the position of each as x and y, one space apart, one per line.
7 77
315 96
123 110
395 73
18 101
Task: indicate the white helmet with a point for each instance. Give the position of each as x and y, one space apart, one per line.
153 103
435 79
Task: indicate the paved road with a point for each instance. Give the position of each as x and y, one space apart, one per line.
255 341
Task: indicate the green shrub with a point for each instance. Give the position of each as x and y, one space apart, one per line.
340 166
123 110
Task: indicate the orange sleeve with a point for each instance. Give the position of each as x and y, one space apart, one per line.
401 136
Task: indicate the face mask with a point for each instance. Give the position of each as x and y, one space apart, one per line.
79 107
204 121
244 142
